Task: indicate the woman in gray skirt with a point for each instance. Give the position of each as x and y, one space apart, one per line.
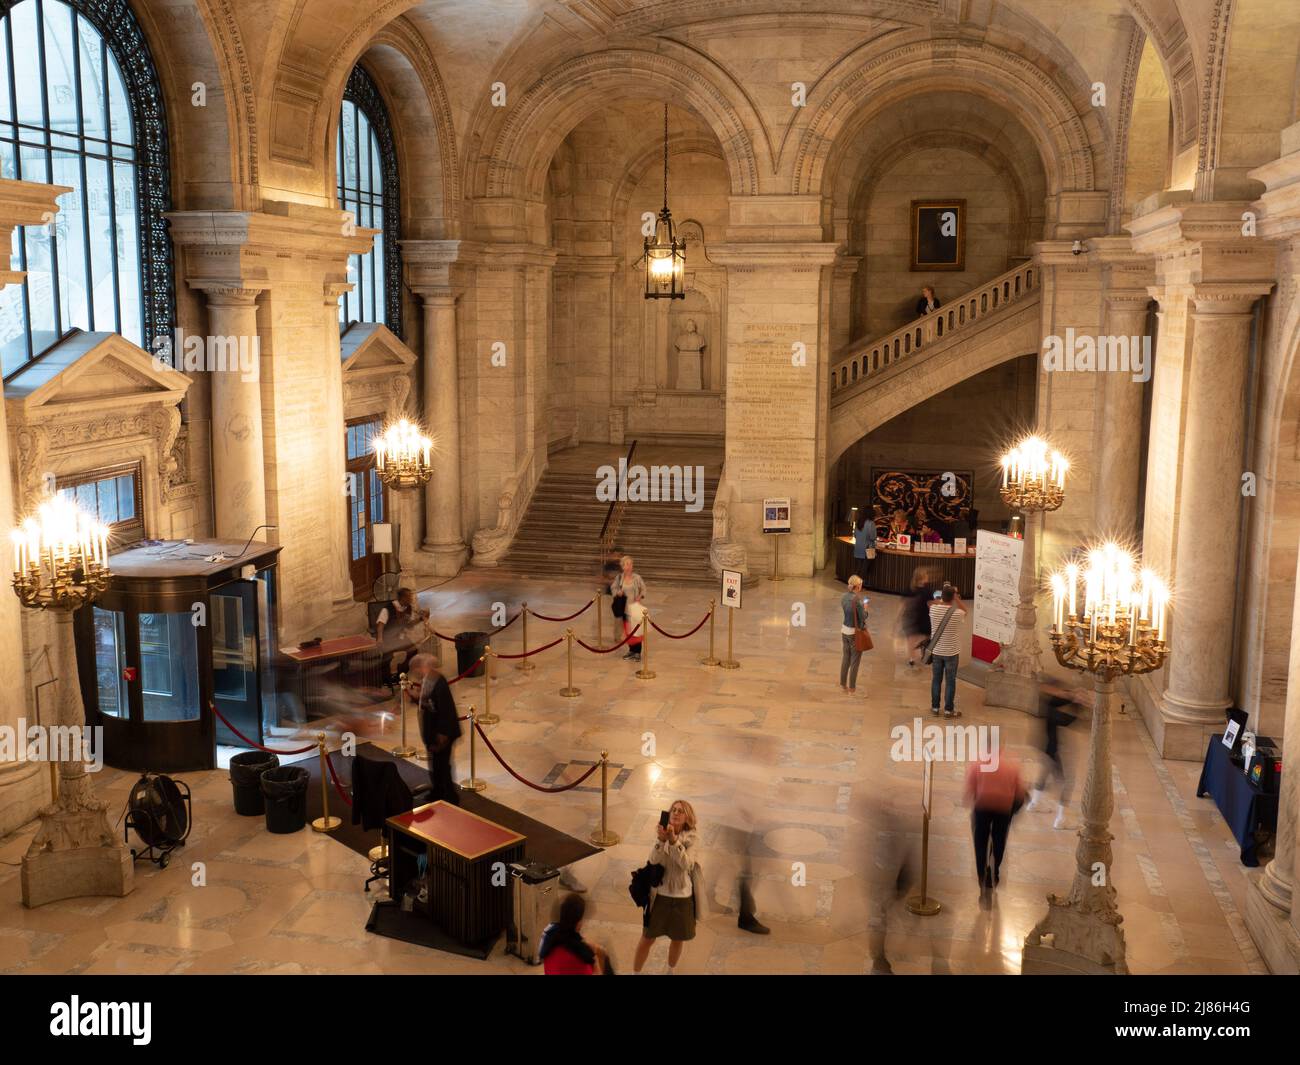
673 904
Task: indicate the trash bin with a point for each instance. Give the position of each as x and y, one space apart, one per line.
469 649
246 780
285 792
535 888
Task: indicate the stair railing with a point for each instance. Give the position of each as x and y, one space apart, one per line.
614 515
979 303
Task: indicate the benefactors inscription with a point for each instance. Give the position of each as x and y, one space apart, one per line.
771 406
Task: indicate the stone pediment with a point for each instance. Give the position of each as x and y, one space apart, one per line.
88 373
370 349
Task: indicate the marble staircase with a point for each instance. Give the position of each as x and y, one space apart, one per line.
560 534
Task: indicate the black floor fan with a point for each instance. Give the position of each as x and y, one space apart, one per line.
159 811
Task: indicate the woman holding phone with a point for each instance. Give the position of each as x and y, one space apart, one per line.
673 903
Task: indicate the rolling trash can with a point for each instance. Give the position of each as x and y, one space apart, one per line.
246 771
285 791
534 889
469 649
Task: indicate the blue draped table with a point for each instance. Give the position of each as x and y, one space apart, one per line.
1244 806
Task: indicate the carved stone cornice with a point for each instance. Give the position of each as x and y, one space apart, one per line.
775 255
1279 206
1227 298
1205 243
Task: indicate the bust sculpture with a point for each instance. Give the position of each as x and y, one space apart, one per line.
690 358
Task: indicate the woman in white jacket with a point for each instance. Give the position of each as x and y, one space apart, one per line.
673 904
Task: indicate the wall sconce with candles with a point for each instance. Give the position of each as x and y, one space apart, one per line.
403 456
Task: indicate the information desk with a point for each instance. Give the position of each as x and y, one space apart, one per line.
891 570
350 661
1244 806
462 851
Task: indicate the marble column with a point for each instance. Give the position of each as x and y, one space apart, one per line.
1120 455
238 458
23 784
1197 688
340 554
444 536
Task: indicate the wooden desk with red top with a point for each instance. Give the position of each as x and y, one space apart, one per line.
463 852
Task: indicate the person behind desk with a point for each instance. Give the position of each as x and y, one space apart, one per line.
396 627
864 546
439 724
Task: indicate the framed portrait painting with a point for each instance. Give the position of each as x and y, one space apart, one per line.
938 235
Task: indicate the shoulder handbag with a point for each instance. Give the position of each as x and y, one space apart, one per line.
934 639
861 637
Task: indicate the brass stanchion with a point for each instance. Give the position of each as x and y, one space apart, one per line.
473 783
487 717
525 663
730 661
776 558
570 692
645 672
327 822
711 659
600 625
54 781
922 905
603 837
404 751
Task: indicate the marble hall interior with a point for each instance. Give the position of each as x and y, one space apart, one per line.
831 465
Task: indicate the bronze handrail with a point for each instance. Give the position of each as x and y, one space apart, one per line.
614 515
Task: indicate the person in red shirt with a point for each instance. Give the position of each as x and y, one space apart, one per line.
995 791
563 951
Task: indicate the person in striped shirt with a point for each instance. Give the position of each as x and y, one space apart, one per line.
944 650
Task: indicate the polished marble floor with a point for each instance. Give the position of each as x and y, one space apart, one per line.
784 769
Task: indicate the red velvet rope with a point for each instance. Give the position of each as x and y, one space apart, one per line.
452 639
529 654
334 776
683 635
297 750
535 787
470 670
569 617
606 650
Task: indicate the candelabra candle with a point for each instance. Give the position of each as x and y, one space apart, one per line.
403 456
60 557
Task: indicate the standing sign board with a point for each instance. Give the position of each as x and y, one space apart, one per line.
997 586
776 515
731 588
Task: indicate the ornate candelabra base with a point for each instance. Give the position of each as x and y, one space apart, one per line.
1084 927
75 851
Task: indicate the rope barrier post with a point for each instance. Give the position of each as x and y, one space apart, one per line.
570 692
645 672
599 600
525 663
711 659
473 783
326 822
54 780
603 837
730 661
487 717
405 750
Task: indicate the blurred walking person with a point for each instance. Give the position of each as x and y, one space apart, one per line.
995 791
1052 703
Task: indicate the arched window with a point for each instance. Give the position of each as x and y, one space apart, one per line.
367 186
80 105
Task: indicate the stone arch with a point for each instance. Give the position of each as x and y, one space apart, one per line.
1249 93
1143 161
868 80
228 132
403 69
518 153
1162 22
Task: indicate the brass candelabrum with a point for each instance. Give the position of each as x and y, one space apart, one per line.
1121 649
60 584
403 456
1032 496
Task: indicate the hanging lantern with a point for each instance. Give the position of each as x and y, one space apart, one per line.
665 254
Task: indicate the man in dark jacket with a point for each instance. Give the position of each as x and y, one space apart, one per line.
439 725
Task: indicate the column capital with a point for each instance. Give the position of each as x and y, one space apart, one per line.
1211 243
227 293
334 290
439 297
1227 298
